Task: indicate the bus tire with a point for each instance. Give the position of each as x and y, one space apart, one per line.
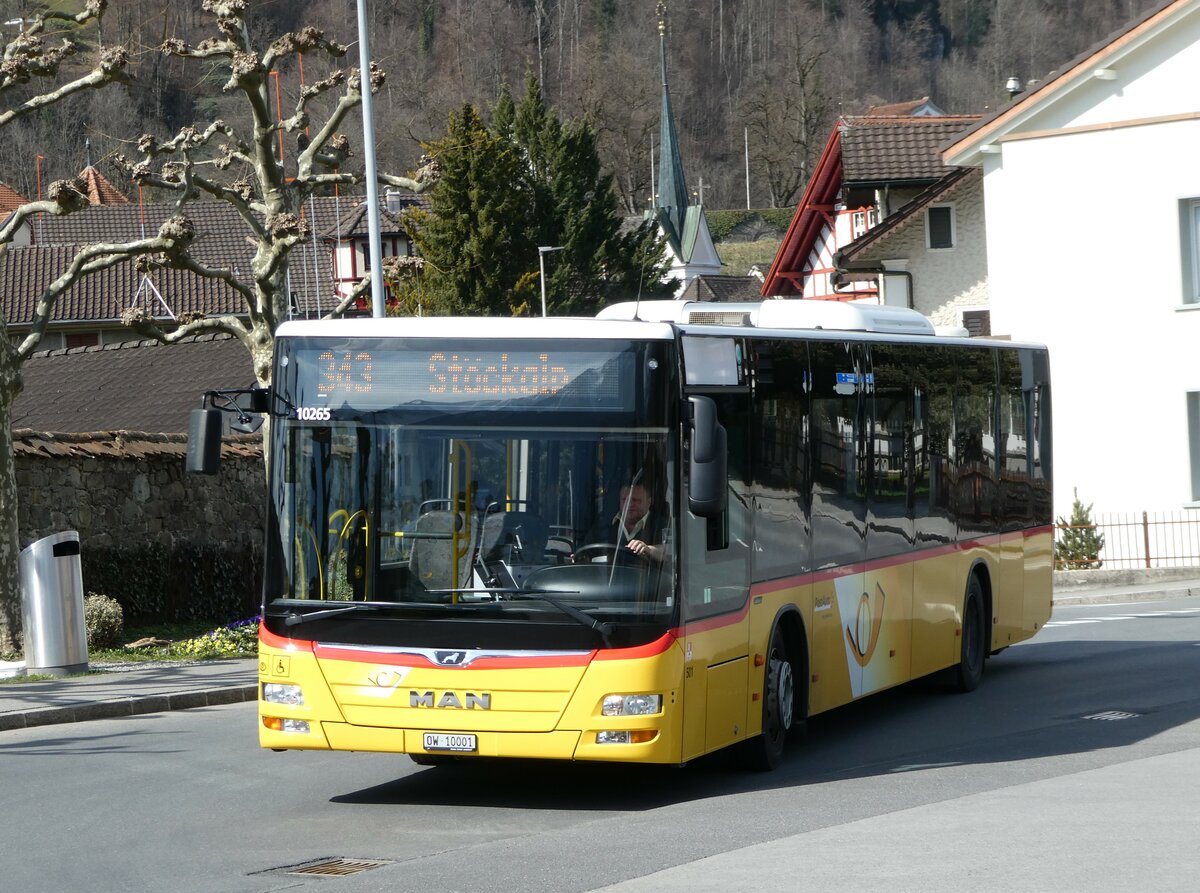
969 671
764 752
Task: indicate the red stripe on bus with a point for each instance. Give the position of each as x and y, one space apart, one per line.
271 640
650 649
846 570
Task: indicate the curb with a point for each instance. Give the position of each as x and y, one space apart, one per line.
133 706
1091 597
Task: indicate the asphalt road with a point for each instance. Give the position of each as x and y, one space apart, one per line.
1075 766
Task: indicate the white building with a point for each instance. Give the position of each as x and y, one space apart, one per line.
1092 201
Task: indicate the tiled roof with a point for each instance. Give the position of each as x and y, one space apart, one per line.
136 386
222 241
922 106
10 200
99 190
943 190
878 148
222 237
354 221
102 296
123 444
722 288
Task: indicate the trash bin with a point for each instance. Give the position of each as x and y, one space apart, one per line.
52 605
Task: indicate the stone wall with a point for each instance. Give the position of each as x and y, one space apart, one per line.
166 544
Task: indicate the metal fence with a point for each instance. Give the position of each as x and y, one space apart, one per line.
1140 540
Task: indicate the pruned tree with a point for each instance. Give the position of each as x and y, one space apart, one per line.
30 81
237 163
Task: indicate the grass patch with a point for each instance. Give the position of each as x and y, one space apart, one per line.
738 257
190 641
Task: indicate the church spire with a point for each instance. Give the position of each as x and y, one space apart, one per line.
672 199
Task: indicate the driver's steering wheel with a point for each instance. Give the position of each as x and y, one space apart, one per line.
609 550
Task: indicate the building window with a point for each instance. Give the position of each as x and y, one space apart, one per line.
1193 418
862 220
81 339
1189 232
939 226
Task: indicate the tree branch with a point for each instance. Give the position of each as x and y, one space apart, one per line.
174 236
110 70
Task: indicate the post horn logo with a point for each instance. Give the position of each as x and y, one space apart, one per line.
868 624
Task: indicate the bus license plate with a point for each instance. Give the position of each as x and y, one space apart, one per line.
458 743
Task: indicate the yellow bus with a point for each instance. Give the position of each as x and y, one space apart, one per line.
640 539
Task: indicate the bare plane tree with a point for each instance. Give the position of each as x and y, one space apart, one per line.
31 60
237 163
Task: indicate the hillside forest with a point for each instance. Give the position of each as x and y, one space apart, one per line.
763 79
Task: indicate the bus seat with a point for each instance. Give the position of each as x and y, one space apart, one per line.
515 537
432 560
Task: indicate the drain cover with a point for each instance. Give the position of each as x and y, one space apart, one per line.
339 867
1112 715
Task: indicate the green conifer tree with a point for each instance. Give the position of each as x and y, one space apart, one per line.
529 180
1078 544
477 237
577 210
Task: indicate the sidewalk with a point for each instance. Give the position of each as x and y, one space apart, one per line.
126 690
129 689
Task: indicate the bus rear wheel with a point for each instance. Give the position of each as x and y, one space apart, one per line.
969 671
765 751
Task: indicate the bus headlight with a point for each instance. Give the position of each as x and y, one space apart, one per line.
277 693
631 705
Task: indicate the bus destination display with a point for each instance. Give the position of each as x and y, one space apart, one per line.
362 377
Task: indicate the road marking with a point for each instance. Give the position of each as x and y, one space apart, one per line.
916 767
1140 616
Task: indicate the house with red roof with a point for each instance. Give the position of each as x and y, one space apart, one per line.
872 167
321 270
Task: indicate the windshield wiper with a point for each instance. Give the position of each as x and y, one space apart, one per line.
604 627
295 618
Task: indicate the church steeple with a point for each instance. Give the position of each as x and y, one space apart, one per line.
672 198
689 243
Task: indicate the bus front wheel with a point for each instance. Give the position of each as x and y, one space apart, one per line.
765 751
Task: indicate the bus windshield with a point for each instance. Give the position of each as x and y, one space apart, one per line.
417 483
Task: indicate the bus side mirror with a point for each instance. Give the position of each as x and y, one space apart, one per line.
204 441
708 463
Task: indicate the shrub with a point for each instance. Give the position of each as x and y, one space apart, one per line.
184 582
104 619
1078 544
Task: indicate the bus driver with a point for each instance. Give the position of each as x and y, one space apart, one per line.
635 527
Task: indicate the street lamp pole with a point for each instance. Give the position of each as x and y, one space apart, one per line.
542 251
368 113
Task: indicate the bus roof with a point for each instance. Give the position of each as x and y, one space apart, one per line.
480 327
843 316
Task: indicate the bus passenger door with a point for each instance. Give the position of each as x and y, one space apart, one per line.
715 584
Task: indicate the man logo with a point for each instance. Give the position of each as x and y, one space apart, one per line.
450 658
469 700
